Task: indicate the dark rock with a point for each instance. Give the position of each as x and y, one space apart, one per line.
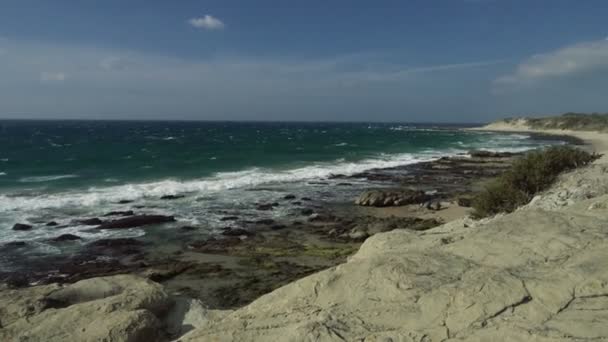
433 205
307 212
52 224
21 226
278 227
188 228
388 198
236 232
16 280
289 197
125 201
214 245
489 154
229 218
121 242
265 207
344 184
137 221
171 197
306 199
66 237
296 203
465 201
120 213
90 222
265 221
15 244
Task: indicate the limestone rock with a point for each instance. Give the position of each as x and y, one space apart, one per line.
387 198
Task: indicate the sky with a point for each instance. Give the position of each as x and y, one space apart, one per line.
314 60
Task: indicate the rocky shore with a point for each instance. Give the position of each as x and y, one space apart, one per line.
402 272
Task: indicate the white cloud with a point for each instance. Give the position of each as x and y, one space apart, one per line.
113 63
207 22
570 60
47 76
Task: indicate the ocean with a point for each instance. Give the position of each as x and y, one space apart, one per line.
65 170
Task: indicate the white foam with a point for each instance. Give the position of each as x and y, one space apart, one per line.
2 173
39 179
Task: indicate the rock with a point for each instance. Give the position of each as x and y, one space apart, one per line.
229 218
387 198
265 207
171 197
465 202
236 232
358 234
188 228
306 199
278 227
66 237
215 246
433 205
289 197
120 213
344 184
52 224
296 203
137 221
110 243
307 212
125 201
118 308
15 244
90 222
489 154
265 221
21 226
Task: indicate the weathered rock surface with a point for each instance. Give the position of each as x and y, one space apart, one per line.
22 226
388 198
537 274
118 308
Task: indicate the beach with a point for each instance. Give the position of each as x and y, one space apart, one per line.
340 270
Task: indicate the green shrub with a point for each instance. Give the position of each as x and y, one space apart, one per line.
529 175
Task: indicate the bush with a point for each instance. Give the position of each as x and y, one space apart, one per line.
529 175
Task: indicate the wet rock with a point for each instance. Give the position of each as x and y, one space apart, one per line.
306 199
388 198
90 222
307 212
52 224
278 227
171 197
66 237
229 218
120 213
109 243
344 184
213 245
188 228
358 234
296 203
489 154
265 207
125 201
289 197
433 205
137 221
236 232
21 226
15 244
265 221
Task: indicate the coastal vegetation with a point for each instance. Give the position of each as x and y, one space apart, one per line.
529 175
572 121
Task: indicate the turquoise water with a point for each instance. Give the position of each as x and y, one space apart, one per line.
61 170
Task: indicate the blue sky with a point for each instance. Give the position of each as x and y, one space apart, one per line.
417 60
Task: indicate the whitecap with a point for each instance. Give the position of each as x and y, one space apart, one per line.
39 179
2 173
4 159
341 144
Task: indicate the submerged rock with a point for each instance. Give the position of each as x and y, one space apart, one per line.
120 213
236 232
91 222
52 224
171 197
137 221
22 226
66 237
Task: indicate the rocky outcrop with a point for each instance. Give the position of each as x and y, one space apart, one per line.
536 274
388 198
119 308
136 221
21 226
